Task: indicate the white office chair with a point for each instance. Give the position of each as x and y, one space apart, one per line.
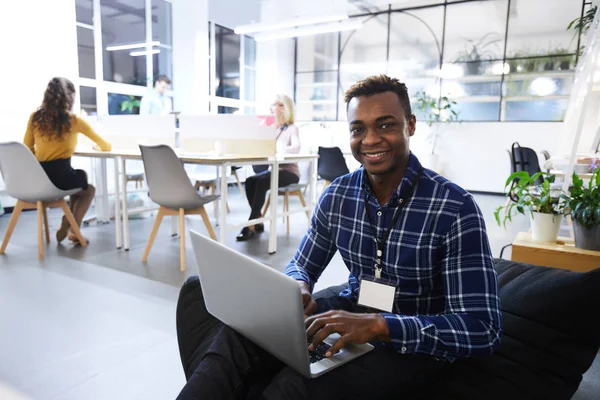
170 188
27 182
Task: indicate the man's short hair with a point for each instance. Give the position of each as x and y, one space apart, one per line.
163 78
380 84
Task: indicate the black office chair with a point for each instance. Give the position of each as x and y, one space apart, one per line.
522 159
331 164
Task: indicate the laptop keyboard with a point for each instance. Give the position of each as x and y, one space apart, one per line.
319 353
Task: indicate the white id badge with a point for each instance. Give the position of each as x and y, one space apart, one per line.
376 295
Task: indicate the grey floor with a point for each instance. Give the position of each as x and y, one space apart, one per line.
95 323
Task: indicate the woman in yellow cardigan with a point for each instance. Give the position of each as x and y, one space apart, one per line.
52 136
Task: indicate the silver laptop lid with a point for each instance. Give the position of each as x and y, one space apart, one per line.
259 302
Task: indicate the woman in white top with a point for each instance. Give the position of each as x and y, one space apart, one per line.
288 142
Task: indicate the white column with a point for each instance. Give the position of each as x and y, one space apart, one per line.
190 55
274 72
39 41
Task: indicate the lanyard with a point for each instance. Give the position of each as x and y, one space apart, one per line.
380 242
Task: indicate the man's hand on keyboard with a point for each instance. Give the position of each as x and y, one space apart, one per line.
353 329
310 306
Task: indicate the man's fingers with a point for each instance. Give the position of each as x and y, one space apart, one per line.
339 344
322 334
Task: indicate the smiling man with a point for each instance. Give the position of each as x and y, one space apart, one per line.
422 286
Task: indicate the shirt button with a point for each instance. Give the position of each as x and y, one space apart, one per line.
403 349
379 213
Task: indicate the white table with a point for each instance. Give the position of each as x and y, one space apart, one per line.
221 163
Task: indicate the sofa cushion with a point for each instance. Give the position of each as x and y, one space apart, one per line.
551 337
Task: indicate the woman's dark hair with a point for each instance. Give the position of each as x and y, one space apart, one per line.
53 118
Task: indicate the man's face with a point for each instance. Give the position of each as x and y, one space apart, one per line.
379 132
161 87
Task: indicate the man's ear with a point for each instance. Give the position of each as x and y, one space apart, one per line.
412 125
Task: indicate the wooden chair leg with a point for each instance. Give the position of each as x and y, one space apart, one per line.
157 222
73 223
303 202
209 227
182 238
11 225
40 217
286 208
197 187
264 212
47 228
239 183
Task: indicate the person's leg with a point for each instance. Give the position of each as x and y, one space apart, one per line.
287 178
380 374
63 231
81 206
218 362
250 185
263 184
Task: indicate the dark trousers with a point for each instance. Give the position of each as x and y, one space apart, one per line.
222 364
258 185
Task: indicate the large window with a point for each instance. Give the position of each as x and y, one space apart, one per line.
232 71
123 45
498 59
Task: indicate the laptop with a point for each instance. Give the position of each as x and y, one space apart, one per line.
265 306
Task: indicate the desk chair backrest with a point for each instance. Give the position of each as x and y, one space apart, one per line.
525 159
331 164
24 177
168 183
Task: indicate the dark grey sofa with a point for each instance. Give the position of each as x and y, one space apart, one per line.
551 337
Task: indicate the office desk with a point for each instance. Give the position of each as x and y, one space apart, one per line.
221 163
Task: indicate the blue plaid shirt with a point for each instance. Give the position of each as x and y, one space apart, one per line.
437 256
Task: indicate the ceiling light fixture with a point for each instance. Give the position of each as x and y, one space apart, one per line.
310 30
289 23
130 46
143 52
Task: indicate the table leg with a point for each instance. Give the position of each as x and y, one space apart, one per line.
118 229
218 191
125 206
273 208
312 185
104 217
222 171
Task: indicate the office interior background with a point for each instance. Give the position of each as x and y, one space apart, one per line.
509 65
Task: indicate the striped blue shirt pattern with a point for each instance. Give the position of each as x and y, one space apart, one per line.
437 257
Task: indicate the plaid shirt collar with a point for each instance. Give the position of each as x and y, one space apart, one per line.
402 190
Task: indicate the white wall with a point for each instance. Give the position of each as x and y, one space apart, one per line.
32 58
190 55
472 155
230 13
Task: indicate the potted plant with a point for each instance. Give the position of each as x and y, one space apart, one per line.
582 25
476 53
584 208
438 110
544 204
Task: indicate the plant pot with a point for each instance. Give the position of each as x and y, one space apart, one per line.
565 65
473 68
549 66
544 227
587 238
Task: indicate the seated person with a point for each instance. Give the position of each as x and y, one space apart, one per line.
395 224
288 142
52 136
